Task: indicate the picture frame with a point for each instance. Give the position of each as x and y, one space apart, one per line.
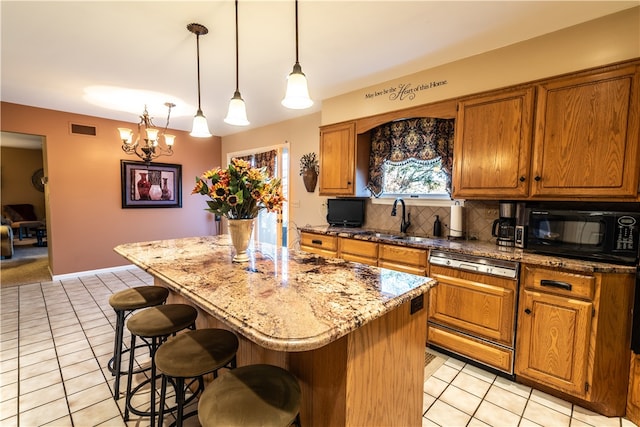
152 185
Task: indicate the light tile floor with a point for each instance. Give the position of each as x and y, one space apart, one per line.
56 338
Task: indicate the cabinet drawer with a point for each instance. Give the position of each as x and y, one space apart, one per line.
320 244
559 282
403 255
496 357
358 247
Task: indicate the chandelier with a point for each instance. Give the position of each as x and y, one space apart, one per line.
150 148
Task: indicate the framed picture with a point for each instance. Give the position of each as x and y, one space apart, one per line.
153 185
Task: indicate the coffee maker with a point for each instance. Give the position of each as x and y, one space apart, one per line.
504 227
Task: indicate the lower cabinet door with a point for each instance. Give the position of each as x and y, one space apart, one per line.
553 341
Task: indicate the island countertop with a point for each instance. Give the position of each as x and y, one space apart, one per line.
281 299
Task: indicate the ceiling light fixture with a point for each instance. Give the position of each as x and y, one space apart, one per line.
200 128
150 149
297 95
237 114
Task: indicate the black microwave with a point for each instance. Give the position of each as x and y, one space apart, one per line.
592 235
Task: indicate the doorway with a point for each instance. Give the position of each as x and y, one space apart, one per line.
271 227
22 158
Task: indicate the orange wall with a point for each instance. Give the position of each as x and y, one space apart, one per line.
17 166
85 220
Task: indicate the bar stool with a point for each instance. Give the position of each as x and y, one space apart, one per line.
124 303
193 354
251 395
155 324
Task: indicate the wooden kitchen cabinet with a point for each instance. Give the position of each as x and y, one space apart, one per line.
361 251
344 159
586 136
320 244
633 398
573 336
402 258
493 145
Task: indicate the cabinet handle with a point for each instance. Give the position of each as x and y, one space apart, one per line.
527 311
348 182
537 178
555 284
316 242
522 179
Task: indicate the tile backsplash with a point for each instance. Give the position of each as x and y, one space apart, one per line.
478 217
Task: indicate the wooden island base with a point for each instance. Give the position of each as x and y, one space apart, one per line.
371 377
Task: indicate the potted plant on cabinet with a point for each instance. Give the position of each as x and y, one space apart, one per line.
309 171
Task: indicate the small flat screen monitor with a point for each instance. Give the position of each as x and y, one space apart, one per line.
345 212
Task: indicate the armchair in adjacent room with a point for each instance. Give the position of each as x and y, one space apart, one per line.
6 241
22 218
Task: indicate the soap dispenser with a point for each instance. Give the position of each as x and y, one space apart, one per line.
437 227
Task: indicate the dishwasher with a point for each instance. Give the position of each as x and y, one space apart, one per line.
472 310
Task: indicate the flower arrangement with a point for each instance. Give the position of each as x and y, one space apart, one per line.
309 162
240 191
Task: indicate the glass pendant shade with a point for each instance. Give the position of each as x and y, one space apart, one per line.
200 127
152 134
126 135
169 139
297 95
237 114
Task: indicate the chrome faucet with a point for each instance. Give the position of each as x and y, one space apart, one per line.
404 223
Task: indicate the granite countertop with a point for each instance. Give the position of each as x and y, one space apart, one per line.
281 299
474 247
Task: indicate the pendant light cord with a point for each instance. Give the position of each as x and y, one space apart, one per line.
237 78
297 62
198 60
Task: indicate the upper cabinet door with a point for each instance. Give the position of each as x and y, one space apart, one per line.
586 136
493 145
337 159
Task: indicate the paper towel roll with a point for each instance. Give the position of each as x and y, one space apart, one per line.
455 228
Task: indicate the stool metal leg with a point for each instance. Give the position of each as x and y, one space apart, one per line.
117 353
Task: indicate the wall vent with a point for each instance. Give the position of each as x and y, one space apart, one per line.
83 129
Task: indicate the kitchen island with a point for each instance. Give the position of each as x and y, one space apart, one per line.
353 335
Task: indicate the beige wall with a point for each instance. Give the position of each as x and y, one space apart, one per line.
85 219
17 166
302 137
602 41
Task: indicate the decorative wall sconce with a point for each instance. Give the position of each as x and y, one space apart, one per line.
309 171
150 149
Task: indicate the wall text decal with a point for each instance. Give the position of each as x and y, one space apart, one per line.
404 90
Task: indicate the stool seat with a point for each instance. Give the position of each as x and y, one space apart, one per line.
192 355
196 353
162 320
251 395
138 297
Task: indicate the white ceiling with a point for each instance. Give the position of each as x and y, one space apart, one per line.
52 51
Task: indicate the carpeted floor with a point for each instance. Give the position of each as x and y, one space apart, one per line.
29 264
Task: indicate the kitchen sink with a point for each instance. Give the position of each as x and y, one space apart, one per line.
412 238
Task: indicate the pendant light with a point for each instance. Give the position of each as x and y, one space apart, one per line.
200 128
237 114
297 95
